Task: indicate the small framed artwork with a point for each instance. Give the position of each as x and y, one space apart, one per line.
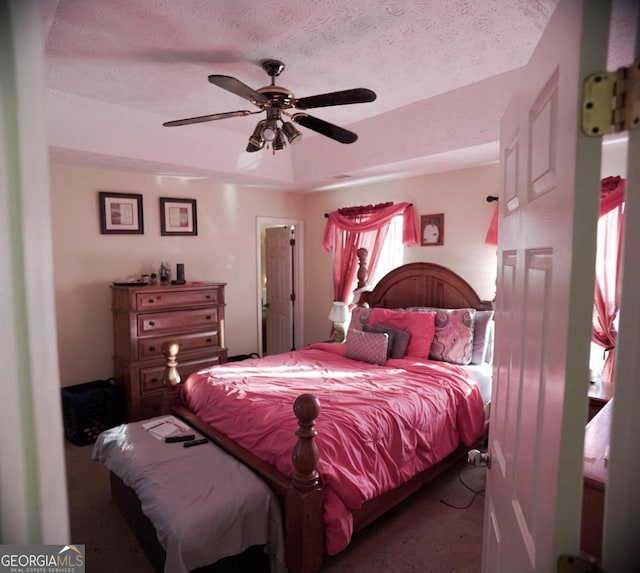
178 217
432 230
120 213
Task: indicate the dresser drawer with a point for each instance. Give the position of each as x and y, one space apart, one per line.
151 377
178 299
183 320
152 406
152 347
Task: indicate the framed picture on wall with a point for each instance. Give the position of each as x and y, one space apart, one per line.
120 213
178 217
432 230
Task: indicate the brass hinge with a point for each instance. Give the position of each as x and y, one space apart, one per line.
575 564
611 101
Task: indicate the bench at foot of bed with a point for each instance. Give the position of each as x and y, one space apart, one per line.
192 509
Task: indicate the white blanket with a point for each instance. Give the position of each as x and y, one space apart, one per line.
203 503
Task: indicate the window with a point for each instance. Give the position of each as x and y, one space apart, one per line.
392 252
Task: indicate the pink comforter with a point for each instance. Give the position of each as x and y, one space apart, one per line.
378 427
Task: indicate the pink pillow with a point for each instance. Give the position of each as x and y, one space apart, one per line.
421 325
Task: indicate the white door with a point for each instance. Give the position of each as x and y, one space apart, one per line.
279 311
621 550
548 210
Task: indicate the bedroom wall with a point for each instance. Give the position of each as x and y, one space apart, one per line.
460 195
86 262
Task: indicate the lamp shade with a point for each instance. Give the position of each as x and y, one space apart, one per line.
339 312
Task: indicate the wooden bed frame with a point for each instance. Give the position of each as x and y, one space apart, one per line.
301 496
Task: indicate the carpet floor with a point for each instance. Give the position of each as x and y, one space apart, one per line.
437 530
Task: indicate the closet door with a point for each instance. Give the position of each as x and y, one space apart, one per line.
279 290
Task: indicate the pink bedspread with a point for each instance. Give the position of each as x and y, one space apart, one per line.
378 427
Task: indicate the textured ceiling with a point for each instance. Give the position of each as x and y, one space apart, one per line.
117 69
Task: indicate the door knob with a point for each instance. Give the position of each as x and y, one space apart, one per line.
477 458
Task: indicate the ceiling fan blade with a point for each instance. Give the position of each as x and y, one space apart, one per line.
237 87
212 117
325 128
357 95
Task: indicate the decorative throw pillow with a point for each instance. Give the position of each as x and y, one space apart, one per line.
398 339
481 336
453 339
419 324
367 346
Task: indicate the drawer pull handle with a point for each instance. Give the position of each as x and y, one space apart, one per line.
151 301
152 323
152 348
208 340
208 317
153 380
208 297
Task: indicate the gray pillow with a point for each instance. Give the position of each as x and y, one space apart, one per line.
481 336
398 339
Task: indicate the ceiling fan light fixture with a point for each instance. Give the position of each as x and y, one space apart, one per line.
257 138
293 135
278 141
270 130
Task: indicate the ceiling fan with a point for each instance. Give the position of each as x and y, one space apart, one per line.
275 101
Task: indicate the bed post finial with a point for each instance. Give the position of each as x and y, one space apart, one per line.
305 454
171 378
304 501
363 272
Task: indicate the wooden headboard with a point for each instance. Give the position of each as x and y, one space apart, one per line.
423 284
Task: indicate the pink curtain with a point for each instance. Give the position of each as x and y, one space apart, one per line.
608 255
492 232
349 229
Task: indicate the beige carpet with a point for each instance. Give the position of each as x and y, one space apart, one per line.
423 535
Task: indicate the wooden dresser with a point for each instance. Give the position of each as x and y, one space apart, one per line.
144 317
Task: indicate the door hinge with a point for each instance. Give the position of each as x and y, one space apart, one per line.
575 564
293 297
611 101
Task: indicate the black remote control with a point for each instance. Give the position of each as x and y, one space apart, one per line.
183 438
195 442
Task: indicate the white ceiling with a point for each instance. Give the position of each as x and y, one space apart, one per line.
443 71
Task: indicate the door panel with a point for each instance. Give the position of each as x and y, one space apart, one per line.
548 210
279 289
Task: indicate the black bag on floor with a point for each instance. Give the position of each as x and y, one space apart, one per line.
90 408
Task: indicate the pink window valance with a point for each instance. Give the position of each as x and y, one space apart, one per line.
352 228
371 221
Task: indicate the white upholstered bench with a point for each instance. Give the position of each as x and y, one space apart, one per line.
202 504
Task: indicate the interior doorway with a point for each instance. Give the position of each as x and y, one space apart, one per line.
279 285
